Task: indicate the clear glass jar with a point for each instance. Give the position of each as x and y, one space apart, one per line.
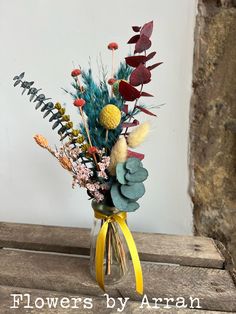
116 256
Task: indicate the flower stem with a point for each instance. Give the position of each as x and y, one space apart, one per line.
88 135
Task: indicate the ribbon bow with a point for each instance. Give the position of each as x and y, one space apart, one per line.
119 218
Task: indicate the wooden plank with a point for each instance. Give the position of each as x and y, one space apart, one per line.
99 304
63 273
183 250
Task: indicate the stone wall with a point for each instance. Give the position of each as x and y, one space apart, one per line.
213 123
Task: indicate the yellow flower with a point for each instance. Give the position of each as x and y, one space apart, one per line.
110 117
75 132
80 139
58 106
84 147
41 141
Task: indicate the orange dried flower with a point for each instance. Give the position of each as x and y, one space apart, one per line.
41 141
65 163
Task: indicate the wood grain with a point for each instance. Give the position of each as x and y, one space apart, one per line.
176 249
99 304
64 273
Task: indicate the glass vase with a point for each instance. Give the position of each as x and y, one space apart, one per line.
116 262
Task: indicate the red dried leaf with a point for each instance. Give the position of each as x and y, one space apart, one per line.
150 56
130 124
136 28
141 75
136 155
146 111
128 92
146 94
134 61
133 39
147 29
151 67
142 44
125 109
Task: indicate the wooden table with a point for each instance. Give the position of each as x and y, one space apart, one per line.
48 261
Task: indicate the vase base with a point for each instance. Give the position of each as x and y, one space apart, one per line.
116 274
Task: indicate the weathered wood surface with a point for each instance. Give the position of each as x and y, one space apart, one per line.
99 304
67 273
183 250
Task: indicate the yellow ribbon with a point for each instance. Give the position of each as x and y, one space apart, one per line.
119 218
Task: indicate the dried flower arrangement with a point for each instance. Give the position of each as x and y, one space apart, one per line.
98 153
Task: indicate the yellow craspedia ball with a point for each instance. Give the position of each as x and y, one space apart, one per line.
110 117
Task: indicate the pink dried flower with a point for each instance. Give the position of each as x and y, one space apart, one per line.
99 197
105 186
102 174
82 174
92 187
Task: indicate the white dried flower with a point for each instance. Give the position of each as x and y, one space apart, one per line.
118 154
137 136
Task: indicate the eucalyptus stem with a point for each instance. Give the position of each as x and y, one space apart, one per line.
131 115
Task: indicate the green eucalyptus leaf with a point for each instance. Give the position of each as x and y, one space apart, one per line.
132 164
56 124
132 206
21 75
46 113
130 183
62 130
47 106
64 136
32 97
119 201
39 103
16 83
50 105
134 191
55 116
24 90
139 176
121 172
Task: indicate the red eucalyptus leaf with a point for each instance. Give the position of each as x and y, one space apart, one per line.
141 75
133 39
136 155
130 124
146 111
134 61
147 29
125 109
128 92
136 28
151 67
146 94
142 44
150 56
